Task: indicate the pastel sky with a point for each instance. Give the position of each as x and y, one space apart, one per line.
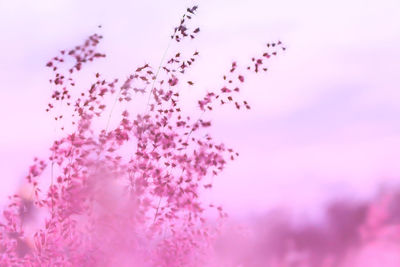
325 119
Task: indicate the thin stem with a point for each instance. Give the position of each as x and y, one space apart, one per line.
159 67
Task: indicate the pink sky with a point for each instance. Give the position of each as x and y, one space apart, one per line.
325 120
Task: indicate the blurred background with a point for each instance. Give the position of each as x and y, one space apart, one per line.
325 119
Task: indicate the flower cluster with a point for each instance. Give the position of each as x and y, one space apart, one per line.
128 194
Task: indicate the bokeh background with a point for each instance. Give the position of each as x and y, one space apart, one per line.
325 118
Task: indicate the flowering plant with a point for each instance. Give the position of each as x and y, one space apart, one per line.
126 194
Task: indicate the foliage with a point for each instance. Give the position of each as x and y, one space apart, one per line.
129 194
